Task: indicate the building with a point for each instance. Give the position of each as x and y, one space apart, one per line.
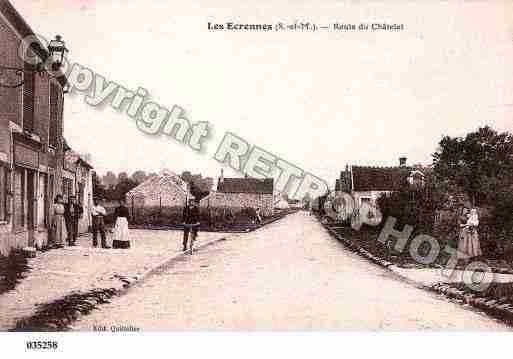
164 190
367 184
77 180
239 193
31 142
280 202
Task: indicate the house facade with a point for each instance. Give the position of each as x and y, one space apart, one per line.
366 184
31 142
240 193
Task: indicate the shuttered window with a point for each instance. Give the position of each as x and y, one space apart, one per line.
28 100
54 115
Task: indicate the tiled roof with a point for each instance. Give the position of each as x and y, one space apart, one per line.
380 178
246 185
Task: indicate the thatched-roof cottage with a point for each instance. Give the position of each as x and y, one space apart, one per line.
166 189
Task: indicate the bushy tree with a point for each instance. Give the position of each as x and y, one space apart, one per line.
475 161
110 180
122 188
139 176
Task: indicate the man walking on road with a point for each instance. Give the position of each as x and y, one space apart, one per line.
98 213
191 222
72 213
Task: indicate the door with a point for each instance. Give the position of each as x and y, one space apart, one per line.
42 200
31 201
19 196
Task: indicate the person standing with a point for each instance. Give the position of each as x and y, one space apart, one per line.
98 214
72 213
258 216
191 222
121 232
59 233
468 244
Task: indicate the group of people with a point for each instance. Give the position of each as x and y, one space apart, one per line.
64 229
65 221
67 215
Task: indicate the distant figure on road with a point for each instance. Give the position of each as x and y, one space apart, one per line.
59 232
98 214
191 222
258 216
121 232
72 213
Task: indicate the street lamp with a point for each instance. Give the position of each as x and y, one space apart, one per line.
57 50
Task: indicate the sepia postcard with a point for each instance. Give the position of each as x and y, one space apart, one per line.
178 167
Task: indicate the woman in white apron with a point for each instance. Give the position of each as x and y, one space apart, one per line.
121 233
59 233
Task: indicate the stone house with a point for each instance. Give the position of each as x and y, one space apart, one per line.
164 190
367 184
240 193
31 141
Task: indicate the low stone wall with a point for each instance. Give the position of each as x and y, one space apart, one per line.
240 201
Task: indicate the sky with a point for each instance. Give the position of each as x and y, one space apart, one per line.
320 100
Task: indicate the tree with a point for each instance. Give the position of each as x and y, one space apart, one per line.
187 176
110 180
122 176
139 176
475 161
123 187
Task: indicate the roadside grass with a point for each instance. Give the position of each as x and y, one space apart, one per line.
367 238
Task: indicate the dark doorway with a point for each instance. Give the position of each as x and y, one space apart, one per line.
31 198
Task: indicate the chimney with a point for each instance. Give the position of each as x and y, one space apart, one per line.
402 161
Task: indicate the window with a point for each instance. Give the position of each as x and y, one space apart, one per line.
28 100
4 189
54 115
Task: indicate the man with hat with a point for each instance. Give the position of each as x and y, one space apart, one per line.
72 213
98 214
191 222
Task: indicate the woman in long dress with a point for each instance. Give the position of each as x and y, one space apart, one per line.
468 245
59 233
121 233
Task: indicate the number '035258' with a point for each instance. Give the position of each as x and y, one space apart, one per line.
42 345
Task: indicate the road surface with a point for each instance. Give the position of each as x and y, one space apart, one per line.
290 275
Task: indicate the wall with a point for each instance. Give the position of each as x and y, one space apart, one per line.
240 200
